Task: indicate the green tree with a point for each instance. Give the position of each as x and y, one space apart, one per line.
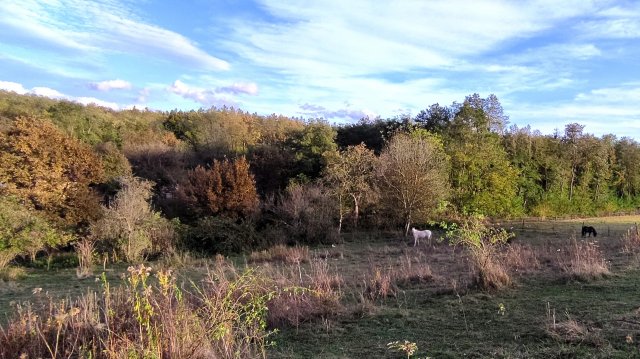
310 147
483 180
350 174
412 172
24 232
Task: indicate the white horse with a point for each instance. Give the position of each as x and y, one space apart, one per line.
420 234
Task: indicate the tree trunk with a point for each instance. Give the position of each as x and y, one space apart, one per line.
356 210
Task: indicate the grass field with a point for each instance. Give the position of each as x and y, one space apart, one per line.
391 291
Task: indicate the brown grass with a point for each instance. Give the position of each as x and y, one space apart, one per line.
583 261
631 241
281 253
225 316
11 273
521 258
413 271
380 285
84 250
305 296
488 272
570 330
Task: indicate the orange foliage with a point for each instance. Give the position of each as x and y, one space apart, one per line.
49 170
227 188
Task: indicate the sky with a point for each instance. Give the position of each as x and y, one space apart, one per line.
549 62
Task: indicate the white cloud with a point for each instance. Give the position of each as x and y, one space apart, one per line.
46 92
346 113
603 111
207 97
55 94
106 27
97 102
13 86
249 88
621 22
110 85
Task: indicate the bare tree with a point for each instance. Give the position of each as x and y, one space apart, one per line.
413 171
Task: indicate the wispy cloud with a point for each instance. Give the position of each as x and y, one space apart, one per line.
110 85
203 96
346 113
99 28
602 110
248 88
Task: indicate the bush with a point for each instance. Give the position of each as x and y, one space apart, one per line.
24 233
212 235
130 228
482 241
306 213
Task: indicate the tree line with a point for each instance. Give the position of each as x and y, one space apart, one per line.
139 183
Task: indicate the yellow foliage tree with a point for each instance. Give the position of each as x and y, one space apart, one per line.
50 171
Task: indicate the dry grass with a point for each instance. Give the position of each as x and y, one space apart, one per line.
305 295
227 315
10 273
380 285
281 253
84 250
521 258
570 330
631 241
583 261
488 272
413 271
221 319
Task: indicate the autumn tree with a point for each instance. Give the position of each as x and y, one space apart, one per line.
350 176
50 171
412 172
227 188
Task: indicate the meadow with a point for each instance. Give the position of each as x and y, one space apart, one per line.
568 297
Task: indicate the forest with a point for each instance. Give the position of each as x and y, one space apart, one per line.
137 183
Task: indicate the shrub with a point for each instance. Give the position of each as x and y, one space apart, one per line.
130 228
482 241
212 235
306 213
226 189
24 232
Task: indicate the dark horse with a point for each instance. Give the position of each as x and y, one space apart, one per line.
588 230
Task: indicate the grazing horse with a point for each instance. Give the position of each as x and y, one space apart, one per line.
588 230
420 234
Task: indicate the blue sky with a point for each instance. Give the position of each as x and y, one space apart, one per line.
549 62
